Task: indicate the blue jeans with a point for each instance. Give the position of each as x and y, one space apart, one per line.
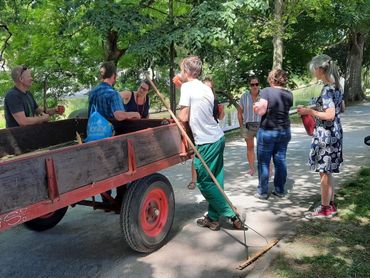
272 144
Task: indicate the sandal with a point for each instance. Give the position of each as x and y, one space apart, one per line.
238 225
191 185
206 222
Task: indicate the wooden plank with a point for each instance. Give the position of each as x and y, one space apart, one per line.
20 140
129 126
23 181
156 144
90 163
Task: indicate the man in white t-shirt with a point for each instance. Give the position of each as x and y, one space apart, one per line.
196 107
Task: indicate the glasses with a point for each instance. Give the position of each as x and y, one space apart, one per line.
254 84
144 88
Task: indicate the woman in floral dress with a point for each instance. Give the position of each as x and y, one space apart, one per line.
326 148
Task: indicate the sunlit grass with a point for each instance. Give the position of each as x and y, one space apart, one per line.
335 248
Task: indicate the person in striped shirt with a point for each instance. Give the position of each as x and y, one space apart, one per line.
248 120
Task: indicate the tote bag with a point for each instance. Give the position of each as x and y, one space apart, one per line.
98 127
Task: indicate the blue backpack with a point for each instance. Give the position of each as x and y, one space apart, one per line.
98 127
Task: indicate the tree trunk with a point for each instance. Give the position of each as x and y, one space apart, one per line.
45 89
172 61
353 90
112 52
277 40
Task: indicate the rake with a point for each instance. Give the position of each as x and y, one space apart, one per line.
270 244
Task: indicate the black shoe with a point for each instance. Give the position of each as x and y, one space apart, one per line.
280 195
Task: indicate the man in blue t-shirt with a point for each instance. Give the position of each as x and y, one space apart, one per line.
108 102
106 99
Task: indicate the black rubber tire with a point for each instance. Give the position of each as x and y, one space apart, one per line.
132 206
367 140
44 223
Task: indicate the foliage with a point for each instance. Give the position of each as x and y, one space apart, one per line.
64 41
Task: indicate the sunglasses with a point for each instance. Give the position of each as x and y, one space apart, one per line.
254 84
24 68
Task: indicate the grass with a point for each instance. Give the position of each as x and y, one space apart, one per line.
336 248
303 95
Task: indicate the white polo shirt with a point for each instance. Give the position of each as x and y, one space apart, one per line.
199 98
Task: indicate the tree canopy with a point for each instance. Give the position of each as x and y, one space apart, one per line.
64 41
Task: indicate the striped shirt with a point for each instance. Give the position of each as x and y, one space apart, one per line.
246 102
106 99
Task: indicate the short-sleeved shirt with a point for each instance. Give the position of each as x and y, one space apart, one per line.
106 99
279 103
200 100
132 106
246 102
18 101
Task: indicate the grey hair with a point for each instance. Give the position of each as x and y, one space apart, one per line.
329 67
192 65
17 72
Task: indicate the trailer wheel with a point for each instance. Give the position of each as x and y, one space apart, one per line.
46 221
147 213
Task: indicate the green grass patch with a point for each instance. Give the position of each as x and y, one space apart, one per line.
335 248
304 95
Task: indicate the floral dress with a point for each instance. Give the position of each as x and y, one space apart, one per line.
326 147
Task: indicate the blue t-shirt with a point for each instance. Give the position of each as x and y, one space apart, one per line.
106 99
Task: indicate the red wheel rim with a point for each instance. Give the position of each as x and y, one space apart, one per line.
154 212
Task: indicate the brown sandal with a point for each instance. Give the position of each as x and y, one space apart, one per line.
191 185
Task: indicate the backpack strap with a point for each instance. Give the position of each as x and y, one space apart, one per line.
93 108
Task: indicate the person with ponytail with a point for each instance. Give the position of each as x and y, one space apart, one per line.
326 155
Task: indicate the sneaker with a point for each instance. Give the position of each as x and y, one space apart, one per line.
261 196
280 195
320 213
318 208
208 223
334 211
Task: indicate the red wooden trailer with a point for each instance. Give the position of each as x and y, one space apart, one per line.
43 171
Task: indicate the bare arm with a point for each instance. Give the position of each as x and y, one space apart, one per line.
121 115
240 116
221 116
184 114
125 95
260 107
22 120
327 115
49 111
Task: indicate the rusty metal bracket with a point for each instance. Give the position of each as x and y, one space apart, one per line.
53 191
131 157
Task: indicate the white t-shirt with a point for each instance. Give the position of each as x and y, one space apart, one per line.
199 98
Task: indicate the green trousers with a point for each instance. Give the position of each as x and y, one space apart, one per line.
213 155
